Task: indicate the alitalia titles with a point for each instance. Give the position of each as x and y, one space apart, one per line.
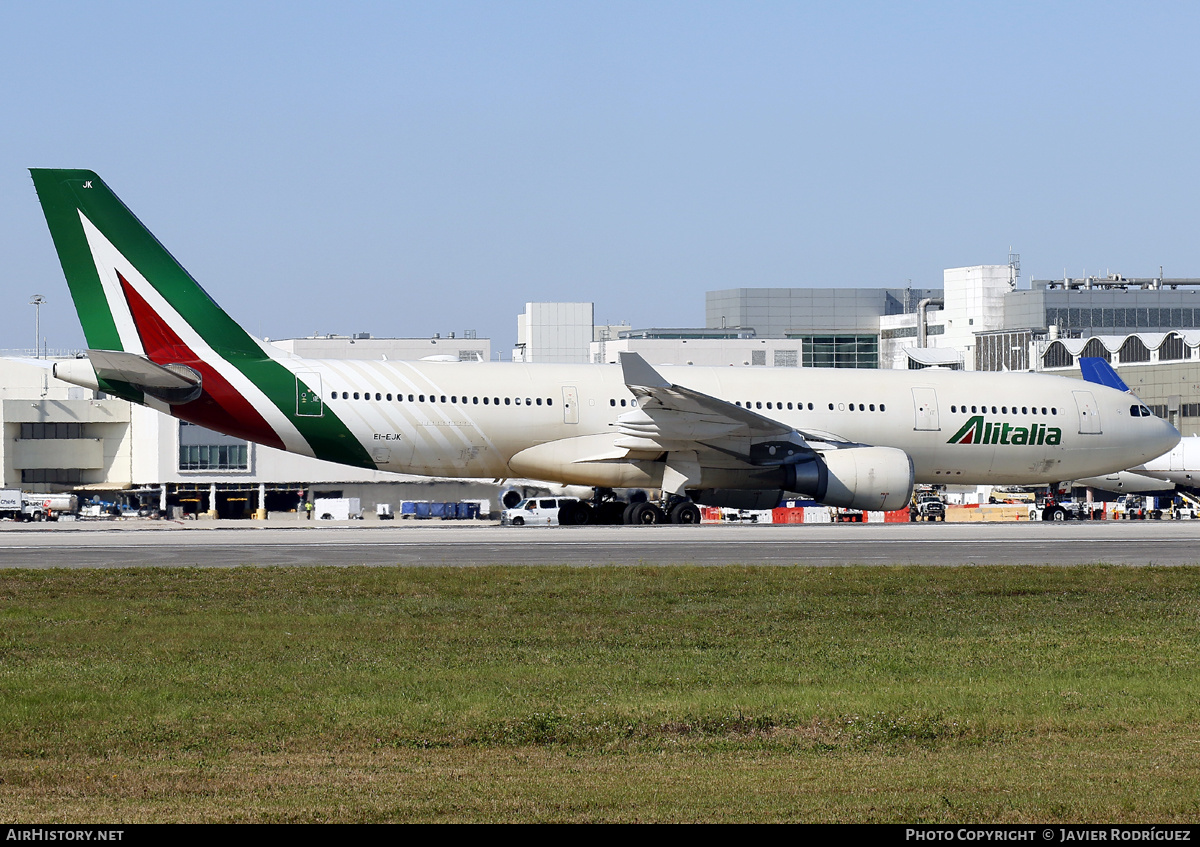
977 430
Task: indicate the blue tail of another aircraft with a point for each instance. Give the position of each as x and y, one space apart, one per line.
1099 371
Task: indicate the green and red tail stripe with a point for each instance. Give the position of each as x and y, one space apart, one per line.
133 296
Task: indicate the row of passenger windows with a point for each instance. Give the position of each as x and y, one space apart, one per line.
841 407
538 401
1004 410
453 398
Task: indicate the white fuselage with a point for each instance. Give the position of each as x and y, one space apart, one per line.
470 419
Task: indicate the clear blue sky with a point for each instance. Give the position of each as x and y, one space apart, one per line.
409 168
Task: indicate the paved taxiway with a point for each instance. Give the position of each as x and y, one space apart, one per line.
144 544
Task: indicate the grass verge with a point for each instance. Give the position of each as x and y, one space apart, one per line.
617 694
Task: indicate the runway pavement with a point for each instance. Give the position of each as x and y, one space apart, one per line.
233 544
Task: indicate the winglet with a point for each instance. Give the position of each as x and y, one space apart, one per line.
637 371
1099 371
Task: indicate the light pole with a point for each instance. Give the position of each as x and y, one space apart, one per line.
36 301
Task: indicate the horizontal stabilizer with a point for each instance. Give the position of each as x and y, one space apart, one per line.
139 371
173 384
1099 371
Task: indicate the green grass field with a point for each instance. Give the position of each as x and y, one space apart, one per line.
601 694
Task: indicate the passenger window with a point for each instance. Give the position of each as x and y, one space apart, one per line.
547 504
507 401
882 408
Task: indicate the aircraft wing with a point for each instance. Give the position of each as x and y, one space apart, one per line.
690 426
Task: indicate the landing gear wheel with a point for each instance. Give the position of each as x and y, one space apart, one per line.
644 513
575 514
685 513
610 513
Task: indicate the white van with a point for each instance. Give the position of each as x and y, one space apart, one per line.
536 511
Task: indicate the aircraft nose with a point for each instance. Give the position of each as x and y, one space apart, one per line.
1164 439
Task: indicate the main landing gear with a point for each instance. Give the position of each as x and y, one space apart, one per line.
605 509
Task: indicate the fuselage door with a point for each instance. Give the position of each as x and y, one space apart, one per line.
309 402
570 399
1089 413
926 408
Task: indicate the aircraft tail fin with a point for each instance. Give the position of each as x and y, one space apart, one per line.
156 337
1100 372
130 293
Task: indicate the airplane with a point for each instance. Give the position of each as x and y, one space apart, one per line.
1178 468
738 437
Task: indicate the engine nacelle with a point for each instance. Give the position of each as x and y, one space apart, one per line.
867 478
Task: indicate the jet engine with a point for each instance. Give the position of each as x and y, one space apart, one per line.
867 478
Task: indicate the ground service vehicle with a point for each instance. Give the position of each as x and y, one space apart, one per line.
1054 509
927 506
12 504
1136 507
542 511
